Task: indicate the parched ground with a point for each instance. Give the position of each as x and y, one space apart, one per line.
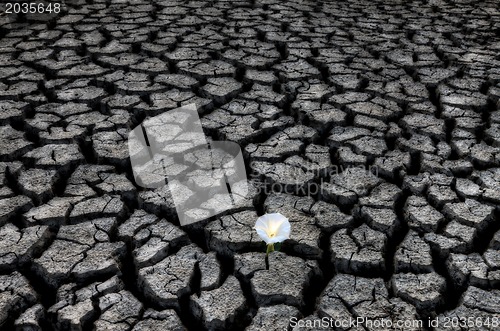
391 108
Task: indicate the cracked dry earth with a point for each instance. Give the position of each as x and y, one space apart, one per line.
315 93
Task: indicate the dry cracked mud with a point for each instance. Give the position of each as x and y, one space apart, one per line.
374 126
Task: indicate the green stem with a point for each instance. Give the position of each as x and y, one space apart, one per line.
270 248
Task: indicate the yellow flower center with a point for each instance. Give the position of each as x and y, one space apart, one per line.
272 230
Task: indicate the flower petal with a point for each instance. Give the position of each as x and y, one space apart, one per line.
273 228
263 235
261 224
284 230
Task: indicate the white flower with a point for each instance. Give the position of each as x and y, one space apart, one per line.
273 228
